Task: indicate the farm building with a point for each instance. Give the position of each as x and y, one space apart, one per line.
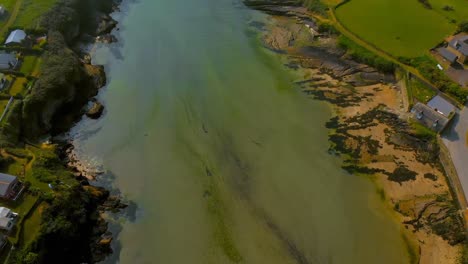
459 46
7 218
16 37
8 61
8 186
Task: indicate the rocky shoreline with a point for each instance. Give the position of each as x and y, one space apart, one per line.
371 131
101 237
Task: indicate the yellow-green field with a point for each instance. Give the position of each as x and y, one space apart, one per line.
401 27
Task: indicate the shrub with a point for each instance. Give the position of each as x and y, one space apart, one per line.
316 6
463 27
362 55
427 68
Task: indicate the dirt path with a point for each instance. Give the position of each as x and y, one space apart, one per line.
12 17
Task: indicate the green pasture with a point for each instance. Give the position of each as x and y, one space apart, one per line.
399 27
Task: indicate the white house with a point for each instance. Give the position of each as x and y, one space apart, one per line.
7 218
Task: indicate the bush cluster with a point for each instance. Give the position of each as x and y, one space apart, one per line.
362 55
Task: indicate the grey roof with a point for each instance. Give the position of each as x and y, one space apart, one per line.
7 60
16 36
441 105
460 43
428 117
447 54
5 181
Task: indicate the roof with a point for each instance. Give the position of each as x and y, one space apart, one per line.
460 43
428 117
16 36
441 105
4 221
4 211
6 60
447 54
5 181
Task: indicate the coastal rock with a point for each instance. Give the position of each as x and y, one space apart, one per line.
105 241
95 111
106 24
98 193
107 38
97 73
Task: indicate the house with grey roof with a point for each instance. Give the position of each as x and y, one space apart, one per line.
7 218
447 54
8 61
16 37
441 105
8 186
459 46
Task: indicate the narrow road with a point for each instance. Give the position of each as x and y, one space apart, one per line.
12 18
455 138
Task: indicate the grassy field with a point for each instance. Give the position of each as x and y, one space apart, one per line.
31 10
8 4
399 27
459 12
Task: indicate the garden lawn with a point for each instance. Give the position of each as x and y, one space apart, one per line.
399 27
28 65
31 226
18 87
420 91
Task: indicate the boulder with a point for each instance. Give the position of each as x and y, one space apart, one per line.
95 111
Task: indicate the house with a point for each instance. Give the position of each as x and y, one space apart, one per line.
8 61
3 82
441 106
16 37
459 47
447 54
7 218
8 186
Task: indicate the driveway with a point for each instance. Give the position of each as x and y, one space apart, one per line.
455 138
458 74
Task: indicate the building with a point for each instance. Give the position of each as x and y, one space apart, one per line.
459 47
3 82
16 37
2 10
441 106
7 218
8 61
8 186
447 54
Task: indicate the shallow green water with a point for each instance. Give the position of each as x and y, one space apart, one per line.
226 161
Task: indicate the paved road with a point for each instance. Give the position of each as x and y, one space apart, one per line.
455 138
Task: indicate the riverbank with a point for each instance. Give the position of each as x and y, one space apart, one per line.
373 133
60 212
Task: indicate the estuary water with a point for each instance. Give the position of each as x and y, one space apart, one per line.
225 159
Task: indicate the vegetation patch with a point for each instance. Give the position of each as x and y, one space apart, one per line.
402 174
365 56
